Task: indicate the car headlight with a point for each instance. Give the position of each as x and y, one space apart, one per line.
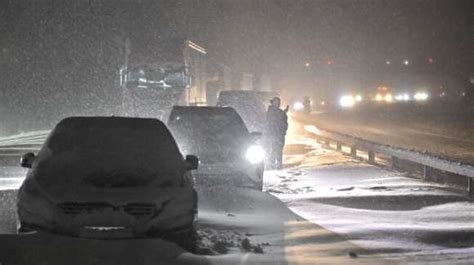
420 96
255 154
347 101
298 106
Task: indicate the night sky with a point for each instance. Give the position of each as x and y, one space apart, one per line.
61 58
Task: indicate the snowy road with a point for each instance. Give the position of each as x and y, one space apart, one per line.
440 134
235 226
402 219
347 212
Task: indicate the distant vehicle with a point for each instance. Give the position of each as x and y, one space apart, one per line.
109 178
158 75
383 94
248 104
228 152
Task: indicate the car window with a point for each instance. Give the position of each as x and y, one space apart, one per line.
212 135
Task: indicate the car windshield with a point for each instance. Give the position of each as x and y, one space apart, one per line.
114 152
214 134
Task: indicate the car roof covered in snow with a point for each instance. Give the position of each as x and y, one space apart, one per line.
80 147
207 131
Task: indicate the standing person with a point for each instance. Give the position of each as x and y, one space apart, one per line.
307 105
277 124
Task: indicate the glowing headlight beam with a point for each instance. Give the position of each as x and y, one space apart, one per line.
298 106
421 96
347 101
388 98
255 154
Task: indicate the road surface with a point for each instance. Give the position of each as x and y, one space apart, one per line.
443 134
330 210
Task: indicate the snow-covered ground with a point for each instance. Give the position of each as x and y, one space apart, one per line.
235 226
403 219
335 210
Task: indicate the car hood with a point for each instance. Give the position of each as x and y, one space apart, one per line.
113 196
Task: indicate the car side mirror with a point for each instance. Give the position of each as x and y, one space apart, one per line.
27 160
191 162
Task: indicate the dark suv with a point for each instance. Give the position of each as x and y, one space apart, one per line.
228 153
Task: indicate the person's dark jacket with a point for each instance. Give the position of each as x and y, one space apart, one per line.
277 121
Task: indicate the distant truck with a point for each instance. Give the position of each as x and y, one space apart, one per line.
155 78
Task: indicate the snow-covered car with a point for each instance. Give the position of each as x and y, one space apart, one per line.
228 153
108 178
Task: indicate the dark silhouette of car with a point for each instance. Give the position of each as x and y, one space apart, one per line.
228 153
110 178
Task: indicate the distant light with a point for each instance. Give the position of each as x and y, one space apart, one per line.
463 94
378 97
358 98
430 60
387 62
196 47
402 97
329 62
347 101
388 98
420 96
307 64
323 103
443 94
298 106
406 62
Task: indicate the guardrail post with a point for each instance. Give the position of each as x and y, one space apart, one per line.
371 157
339 146
353 151
394 162
426 172
470 187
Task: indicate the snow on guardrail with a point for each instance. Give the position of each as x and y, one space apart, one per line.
426 160
22 143
37 137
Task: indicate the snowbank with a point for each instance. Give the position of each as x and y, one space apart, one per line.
402 219
236 226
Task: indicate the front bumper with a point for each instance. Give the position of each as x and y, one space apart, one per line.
174 210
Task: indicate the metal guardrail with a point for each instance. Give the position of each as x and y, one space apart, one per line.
427 161
23 143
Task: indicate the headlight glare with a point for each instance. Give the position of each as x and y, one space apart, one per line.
255 154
